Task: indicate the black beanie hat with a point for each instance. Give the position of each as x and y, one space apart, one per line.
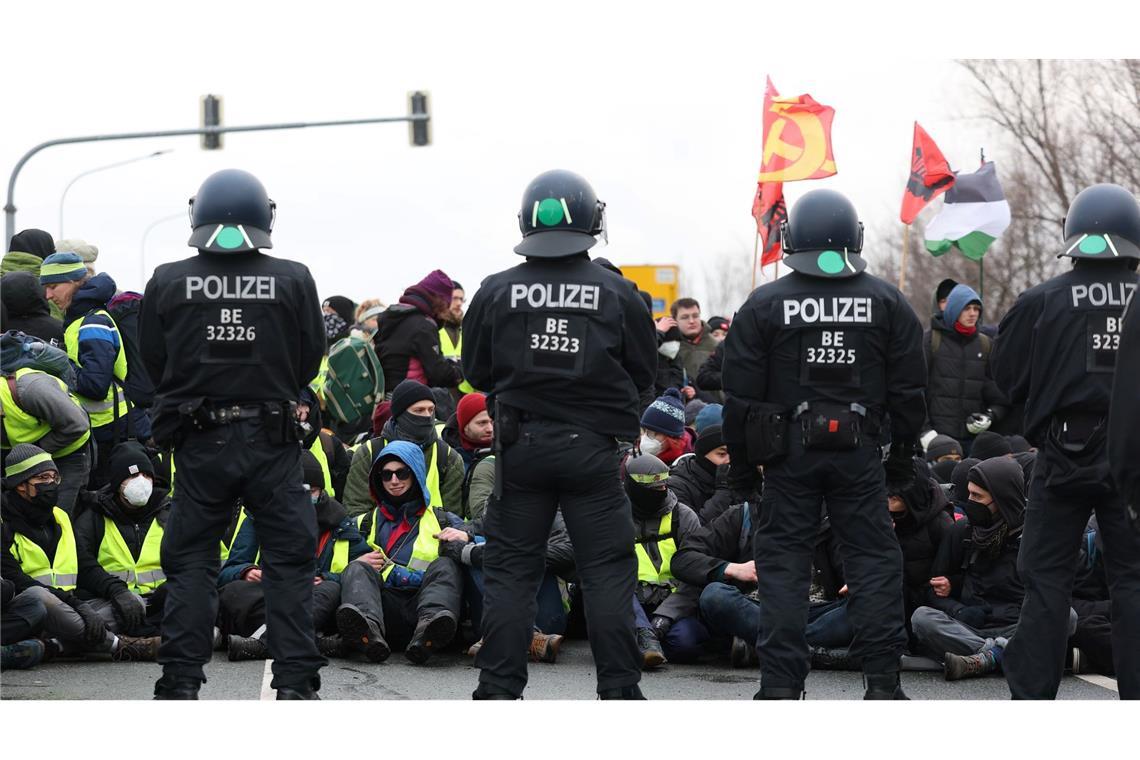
343 306
127 460
988 445
961 477
944 288
314 475
942 445
709 439
1018 444
409 392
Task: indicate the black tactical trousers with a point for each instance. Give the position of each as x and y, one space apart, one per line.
397 611
215 468
1054 528
852 485
556 464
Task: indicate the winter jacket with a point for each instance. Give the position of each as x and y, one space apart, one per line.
332 521
920 534
708 376
692 481
407 344
451 437
90 527
98 348
481 485
15 519
959 381
670 371
41 395
682 602
695 351
28 311
449 464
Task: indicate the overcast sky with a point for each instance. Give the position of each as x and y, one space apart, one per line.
659 106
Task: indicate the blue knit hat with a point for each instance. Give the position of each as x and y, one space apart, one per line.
666 415
62 267
713 414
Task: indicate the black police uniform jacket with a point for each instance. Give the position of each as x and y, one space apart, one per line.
563 339
236 328
1123 432
803 338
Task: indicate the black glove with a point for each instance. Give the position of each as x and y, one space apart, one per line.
129 609
975 617
661 626
452 549
900 467
93 628
744 480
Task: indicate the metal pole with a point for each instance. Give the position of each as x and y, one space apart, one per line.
755 253
982 278
63 195
145 235
10 206
906 249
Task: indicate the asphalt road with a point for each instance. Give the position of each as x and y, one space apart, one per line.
451 675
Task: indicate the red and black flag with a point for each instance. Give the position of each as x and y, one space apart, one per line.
769 210
929 175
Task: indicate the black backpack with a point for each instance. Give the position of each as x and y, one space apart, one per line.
124 309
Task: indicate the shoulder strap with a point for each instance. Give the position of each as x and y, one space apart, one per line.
986 343
935 340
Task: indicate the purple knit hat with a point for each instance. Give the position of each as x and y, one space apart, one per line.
437 284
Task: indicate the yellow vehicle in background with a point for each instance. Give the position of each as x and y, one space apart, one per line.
662 281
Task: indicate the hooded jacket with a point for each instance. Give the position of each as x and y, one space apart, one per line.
976 579
407 344
692 482
959 380
97 348
449 463
90 527
397 524
920 532
28 311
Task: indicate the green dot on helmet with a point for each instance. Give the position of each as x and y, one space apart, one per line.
830 262
1093 245
230 237
550 212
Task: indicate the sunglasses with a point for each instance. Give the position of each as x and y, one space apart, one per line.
403 473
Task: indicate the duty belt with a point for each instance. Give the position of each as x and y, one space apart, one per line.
224 415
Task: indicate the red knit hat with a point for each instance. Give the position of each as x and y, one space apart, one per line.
469 406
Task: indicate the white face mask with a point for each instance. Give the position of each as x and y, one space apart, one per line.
137 491
650 445
669 349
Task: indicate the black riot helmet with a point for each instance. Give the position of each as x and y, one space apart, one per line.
1103 223
823 236
560 216
231 213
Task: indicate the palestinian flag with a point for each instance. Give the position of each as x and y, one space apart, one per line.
973 217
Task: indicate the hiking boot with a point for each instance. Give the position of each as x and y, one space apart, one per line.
743 654
22 655
971 666
652 655
361 634
1079 662
625 692
296 692
883 686
331 646
176 687
432 635
136 649
544 647
474 649
241 648
833 659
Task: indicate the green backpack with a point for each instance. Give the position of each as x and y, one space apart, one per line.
355 380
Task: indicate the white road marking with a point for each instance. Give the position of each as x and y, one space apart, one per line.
1102 681
266 677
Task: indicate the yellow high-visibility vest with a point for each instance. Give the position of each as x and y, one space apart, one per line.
646 572
424 550
63 571
142 575
22 427
101 411
448 349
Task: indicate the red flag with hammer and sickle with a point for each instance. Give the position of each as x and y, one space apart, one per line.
797 138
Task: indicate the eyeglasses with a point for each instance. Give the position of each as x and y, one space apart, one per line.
403 473
45 479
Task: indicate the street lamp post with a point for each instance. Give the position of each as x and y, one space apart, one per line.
63 195
142 243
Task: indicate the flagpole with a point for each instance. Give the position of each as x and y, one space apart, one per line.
755 254
906 248
982 278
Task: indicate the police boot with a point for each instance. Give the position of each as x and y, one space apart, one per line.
331 646
833 659
743 654
544 647
432 634
297 692
883 686
779 692
241 648
176 687
652 655
361 634
136 649
490 691
970 666
625 692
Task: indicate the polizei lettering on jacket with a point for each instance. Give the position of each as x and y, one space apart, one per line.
1103 294
555 295
836 310
231 287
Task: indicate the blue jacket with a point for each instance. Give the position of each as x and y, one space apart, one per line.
245 548
405 517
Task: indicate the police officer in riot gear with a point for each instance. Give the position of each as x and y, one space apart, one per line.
231 336
1123 433
563 347
821 368
1055 352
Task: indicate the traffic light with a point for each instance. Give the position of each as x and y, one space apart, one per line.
211 117
419 132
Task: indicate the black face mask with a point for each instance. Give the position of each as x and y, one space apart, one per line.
415 428
904 521
978 514
646 501
45 498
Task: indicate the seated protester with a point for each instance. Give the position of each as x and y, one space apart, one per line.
664 613
663 432
959 486
978 599
694 477
943 448
943 471
1092 640
118 534
404 593
38 554
988 445
719 560
470 430
329 451
241 601
22 619
412 420
38 409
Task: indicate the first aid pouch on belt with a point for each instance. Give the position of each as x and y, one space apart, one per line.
831 427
